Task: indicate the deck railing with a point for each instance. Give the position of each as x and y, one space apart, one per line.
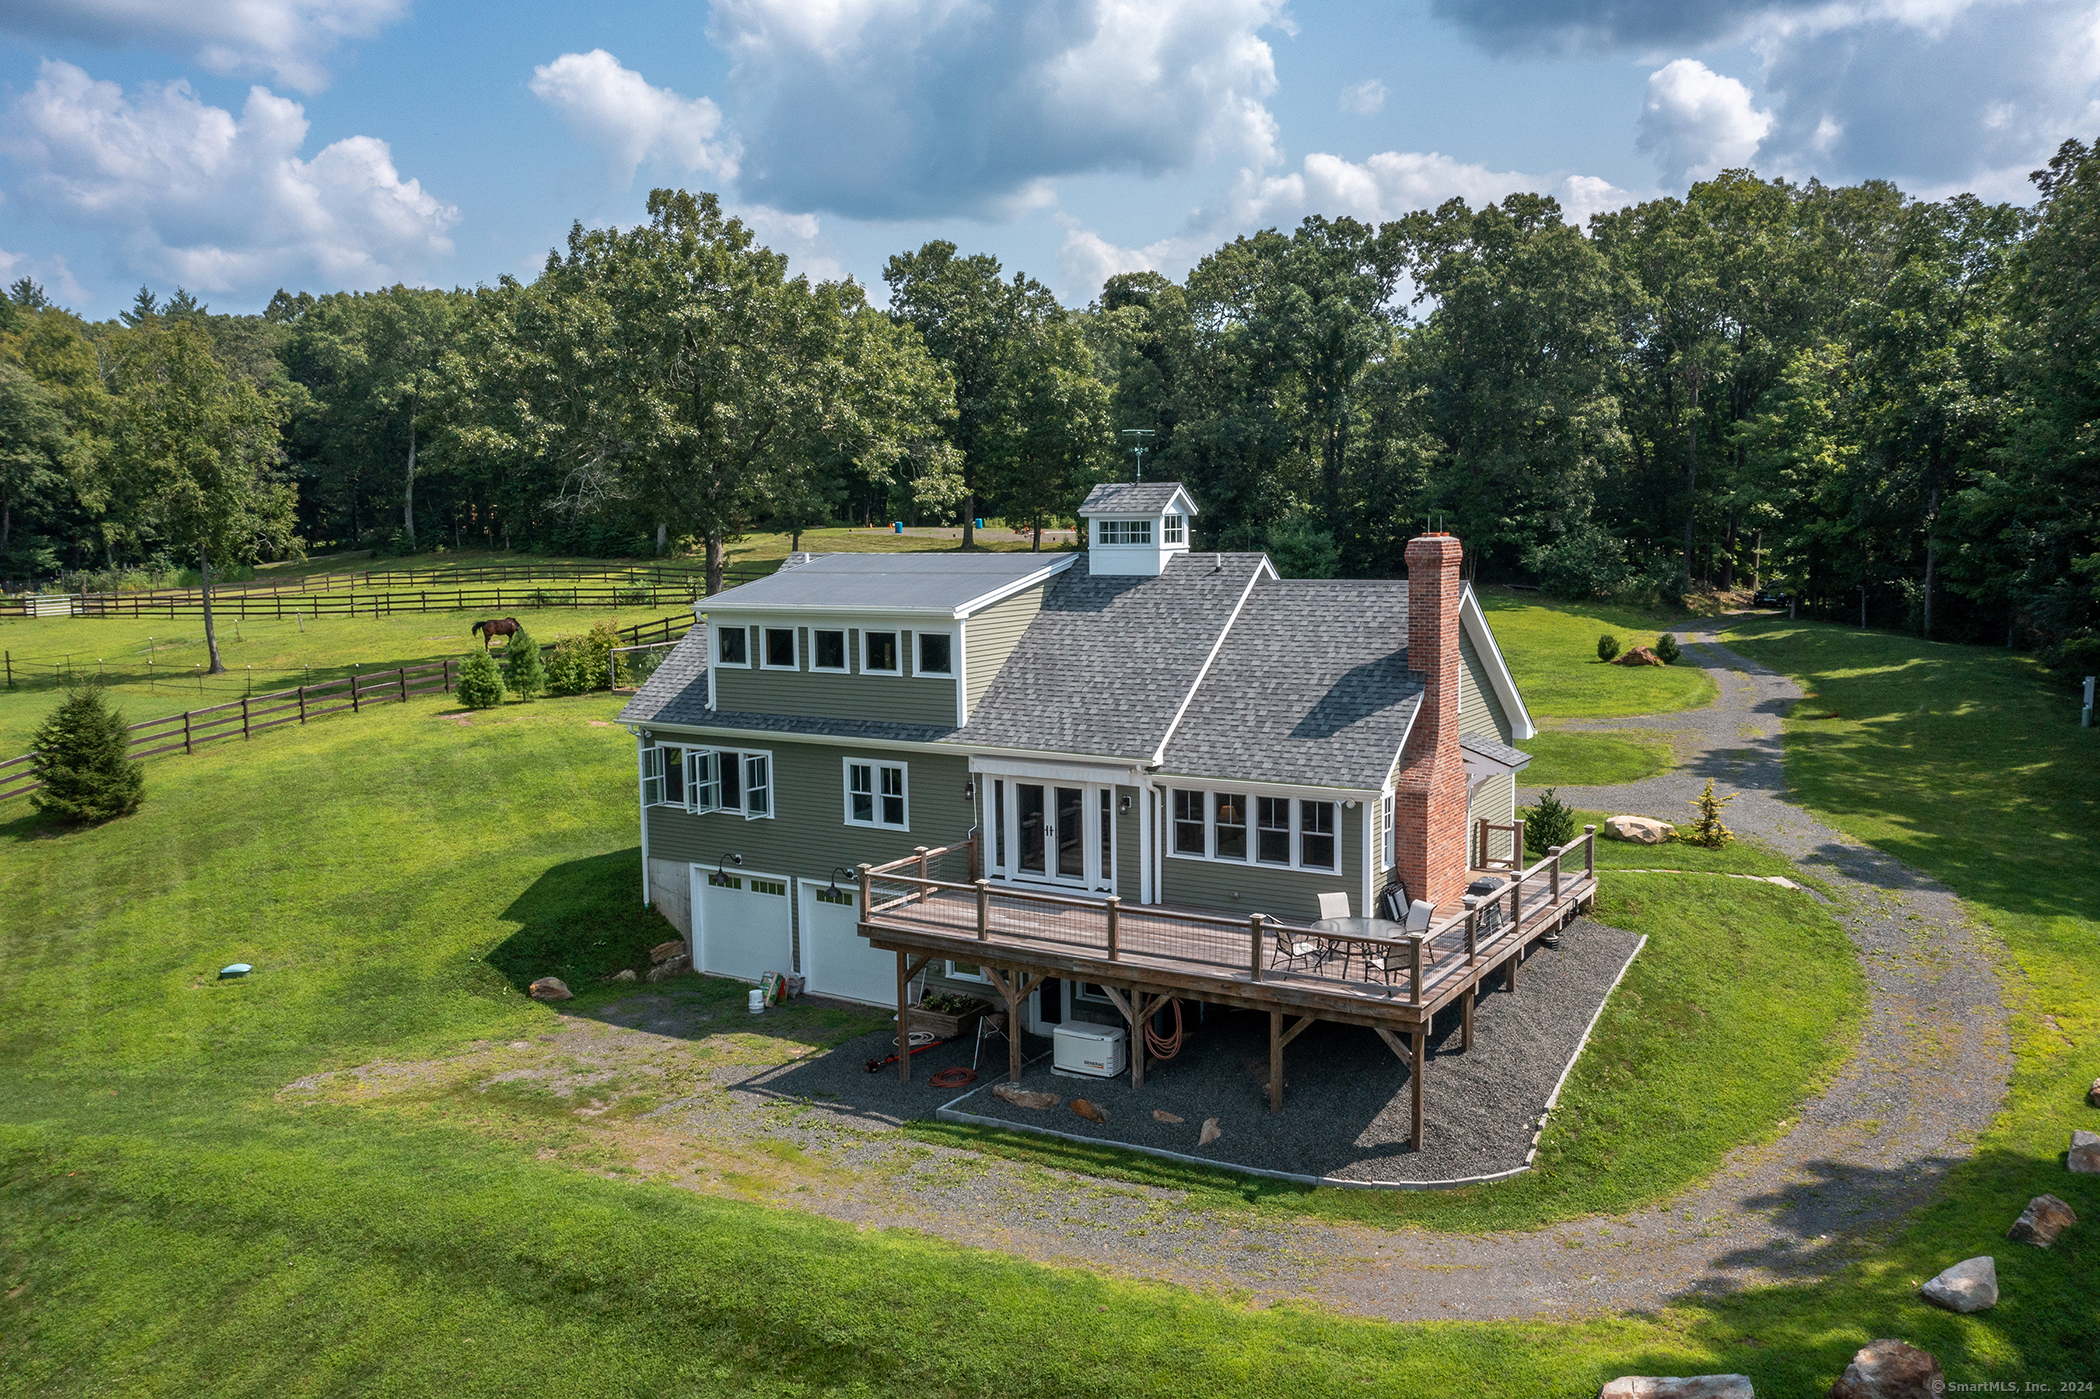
1105 929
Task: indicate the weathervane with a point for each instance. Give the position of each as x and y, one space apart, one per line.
1139 450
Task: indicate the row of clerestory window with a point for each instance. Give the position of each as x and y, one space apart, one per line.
881 652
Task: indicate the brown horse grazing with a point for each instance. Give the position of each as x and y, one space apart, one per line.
492 628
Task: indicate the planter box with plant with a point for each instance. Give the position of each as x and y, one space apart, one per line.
948 1013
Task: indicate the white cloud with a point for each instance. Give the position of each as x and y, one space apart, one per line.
616 110
1366 98
220 203
284 38
912 108
1392 183
1086 260
51 273
1696 122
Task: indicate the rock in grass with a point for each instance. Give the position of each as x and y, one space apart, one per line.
1890 1369
2092 1095
1640 655
1969 1286
625 976
665 951
1678 1387
1090 1111
1210 1132
2085 1153
1024 1097
664 971
1641 830
551 988
1161 1115
2044 1218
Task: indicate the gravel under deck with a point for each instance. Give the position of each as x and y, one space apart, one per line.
1345 1105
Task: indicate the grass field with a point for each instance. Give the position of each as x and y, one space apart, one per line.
1565 758
1552 650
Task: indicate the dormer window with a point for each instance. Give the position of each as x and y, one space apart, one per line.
879 652
1170 530
1123 532
936 653
730 646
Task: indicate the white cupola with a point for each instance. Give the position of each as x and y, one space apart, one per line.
1133 527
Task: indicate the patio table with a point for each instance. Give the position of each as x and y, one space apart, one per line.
1348 933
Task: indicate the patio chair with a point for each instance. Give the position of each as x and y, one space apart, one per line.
1295 945
1394 958
1336 905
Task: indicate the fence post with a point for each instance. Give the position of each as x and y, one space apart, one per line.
1254 922
448 674
10 670
353 689
186 748
984 910
244 716
302 704
1115 942
404 684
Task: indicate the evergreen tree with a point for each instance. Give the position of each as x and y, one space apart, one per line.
480 683
522 666
1708 830
81 759
1607 647
1548 824
1666 649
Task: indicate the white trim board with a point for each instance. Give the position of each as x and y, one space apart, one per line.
1475 622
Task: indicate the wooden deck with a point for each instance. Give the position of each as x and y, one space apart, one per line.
1143 955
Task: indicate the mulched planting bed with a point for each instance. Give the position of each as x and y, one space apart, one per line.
1346 1096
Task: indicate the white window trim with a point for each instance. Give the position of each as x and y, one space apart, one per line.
1252 794
979 976
765 640
1173 529
865 633
715 653
845 649
654 774
743 757
1101 538
874 766
954 650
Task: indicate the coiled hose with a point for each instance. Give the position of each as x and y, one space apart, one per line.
1165 1046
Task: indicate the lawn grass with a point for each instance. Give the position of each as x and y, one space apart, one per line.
260 655
1551 648
168 1225
1566 758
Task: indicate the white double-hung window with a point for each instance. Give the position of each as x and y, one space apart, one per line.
1290 832
877 794
732 780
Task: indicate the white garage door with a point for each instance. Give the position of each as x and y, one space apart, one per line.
835 957
741 924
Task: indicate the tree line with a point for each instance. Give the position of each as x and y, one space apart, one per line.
1884 406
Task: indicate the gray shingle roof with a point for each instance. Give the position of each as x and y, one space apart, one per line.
934 582
677 692
1496 749
1106 663
1311 687
1135 497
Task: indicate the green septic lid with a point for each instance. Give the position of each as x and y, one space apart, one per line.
237 969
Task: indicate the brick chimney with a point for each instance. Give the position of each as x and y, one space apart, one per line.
1429 795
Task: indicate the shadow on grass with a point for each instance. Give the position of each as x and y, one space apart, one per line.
580 921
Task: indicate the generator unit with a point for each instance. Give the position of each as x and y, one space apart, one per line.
1094 1051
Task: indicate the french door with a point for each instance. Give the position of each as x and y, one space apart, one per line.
1053 833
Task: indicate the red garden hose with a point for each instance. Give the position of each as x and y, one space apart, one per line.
1165 1046
953 1078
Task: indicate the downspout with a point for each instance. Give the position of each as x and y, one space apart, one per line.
641 792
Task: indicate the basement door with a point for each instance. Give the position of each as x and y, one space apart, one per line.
742 924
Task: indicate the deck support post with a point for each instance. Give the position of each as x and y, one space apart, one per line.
907 968
1416 1060
1465 1017
1015 987
1115 950
1275 1058
1509 968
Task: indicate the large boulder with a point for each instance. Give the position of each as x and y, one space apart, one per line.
2044 1218
1025 1097
2085 1153
1641 830
664 971
550 988
665 951
1675 1387
1890 1369
1969 1286
1639 655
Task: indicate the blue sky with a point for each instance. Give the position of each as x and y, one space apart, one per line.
235 146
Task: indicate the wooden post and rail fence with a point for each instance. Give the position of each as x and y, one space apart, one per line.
251 714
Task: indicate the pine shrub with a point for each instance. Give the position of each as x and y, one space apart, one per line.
480 683
81 758
1708 830
522 667
1666 649
1548 824
1607 648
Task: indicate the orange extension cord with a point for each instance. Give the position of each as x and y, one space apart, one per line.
1165 1046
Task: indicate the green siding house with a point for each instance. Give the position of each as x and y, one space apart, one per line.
1169 727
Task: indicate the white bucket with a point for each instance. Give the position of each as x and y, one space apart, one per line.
758 1000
